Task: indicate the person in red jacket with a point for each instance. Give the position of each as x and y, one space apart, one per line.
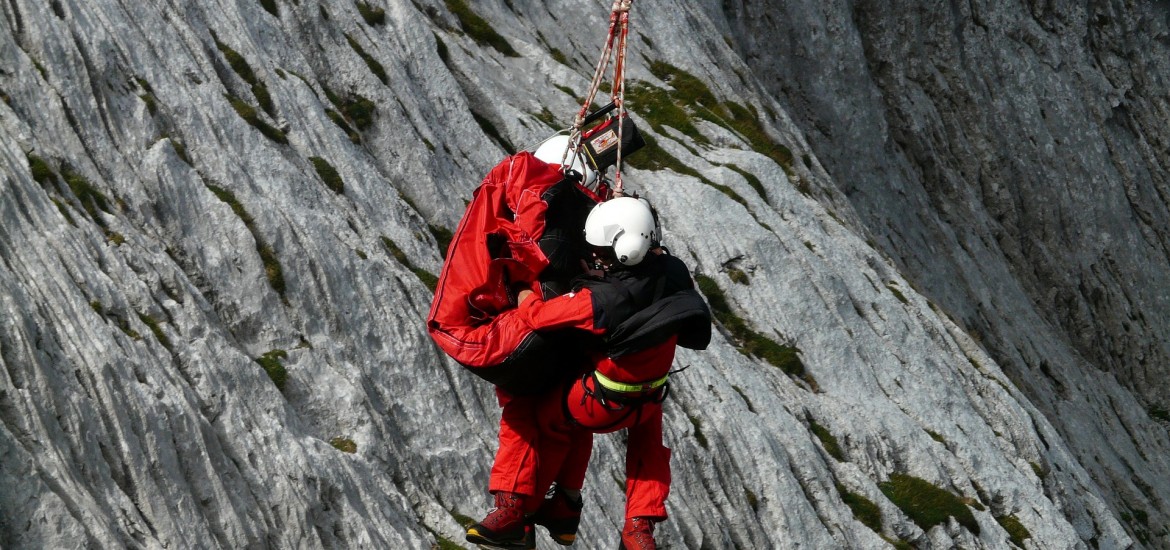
643 302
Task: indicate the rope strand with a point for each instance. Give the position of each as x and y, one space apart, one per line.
619 21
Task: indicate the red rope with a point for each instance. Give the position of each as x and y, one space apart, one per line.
619 28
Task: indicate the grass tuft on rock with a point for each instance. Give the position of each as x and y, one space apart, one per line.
328 175
926 504
92 201
374 16
698 425
479 29
181 150
428 278
738 276
442 236
752 180
748 341
1015 530
155 328
752 499
357 109
42 173
272 268
865 510
244 70
344 444
690 97
490 129
271 363
375 67
827 439
1159 412
249 114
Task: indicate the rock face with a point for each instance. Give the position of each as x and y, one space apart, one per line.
218 222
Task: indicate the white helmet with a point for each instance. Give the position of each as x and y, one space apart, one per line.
552 150
626 224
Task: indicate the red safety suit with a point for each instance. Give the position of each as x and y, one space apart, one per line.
514 469
644 313
568 420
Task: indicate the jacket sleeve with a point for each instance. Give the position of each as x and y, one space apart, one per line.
572 310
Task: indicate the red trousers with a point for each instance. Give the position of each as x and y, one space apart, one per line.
550 438
565 444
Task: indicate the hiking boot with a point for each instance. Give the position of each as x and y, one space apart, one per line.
505 525
638 534
560 514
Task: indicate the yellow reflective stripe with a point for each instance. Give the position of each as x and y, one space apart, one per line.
622 387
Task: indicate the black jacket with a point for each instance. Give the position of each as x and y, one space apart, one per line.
643 305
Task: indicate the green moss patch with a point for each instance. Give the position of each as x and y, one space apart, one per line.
462 520
748 341
428 278
328 174
64 210
249 114
865 510
444 543
359 109
698 425
151 103
828 440
546 116
1015 530
738 276
91 199
746 401
658 107
490 129
271 363
244 70
42 173
272 268
751 179
340 121
374 16
156 329
442 236
1159 412
479 29
375 67
352 111
893 287
687 86
690 97
344 444
926 504
752 499
181 151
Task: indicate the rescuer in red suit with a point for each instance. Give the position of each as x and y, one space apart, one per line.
642 302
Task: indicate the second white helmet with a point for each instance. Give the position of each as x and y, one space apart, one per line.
626 224
552 151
